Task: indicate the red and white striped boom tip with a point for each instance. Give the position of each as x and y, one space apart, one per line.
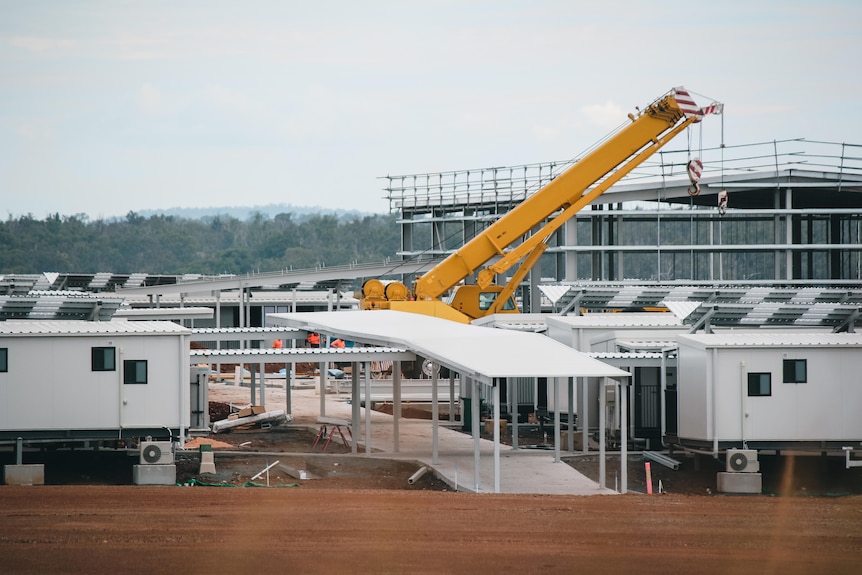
689 107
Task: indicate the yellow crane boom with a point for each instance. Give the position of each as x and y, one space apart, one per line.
568 193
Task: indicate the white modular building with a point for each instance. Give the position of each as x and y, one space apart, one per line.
777 390
635 342
83 380
614 332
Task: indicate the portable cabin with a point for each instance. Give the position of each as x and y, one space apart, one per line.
83 380
778 390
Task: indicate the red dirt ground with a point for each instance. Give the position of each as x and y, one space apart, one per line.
128 529
360 516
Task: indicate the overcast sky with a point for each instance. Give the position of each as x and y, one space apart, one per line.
112 106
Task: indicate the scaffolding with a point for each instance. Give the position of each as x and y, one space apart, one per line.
794 215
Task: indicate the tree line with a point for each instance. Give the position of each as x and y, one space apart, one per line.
166 244
223 244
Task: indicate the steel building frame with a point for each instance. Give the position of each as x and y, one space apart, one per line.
795 216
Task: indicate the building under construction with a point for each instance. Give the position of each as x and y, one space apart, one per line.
781 213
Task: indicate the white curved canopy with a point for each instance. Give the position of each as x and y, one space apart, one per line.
479 352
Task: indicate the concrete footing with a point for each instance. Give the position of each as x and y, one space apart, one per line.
30 474
154 474
739 482
207 462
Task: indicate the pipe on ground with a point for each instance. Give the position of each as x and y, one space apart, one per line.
416 476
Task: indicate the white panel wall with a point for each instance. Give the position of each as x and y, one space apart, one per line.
848 374
564 334
769 418
694 414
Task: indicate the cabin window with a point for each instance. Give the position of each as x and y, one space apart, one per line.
104 359
795 371
759 384
4 359
135 371
487 299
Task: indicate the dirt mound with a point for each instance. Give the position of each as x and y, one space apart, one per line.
214 443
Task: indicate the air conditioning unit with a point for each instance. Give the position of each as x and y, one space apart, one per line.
742 461
156 453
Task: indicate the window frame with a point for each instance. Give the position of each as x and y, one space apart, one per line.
4 360
102 367
759 391
794 371
130 368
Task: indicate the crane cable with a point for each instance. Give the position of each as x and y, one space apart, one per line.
722 194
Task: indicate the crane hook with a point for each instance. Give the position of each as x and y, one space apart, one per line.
695 169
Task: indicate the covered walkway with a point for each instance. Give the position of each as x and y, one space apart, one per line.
524 471
482 357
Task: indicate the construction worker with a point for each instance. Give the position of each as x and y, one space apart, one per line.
313 339
339 343
277 344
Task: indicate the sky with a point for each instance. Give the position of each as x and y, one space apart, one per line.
112 106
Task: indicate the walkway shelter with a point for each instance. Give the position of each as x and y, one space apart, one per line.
323 356
482 357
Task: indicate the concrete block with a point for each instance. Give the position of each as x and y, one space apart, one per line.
739 482
30 474
154 474
207 462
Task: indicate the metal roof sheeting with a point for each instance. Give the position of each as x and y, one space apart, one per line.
645 344
780 339
681 309
608 355
474 351
242 330
554 292
516 321
775 314
76 328
286 297
165 313
54 307
612 320
733 305
307 354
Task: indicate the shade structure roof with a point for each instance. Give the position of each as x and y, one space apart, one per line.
478 352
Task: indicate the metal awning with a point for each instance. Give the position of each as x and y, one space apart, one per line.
245 333
304 354
480 353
